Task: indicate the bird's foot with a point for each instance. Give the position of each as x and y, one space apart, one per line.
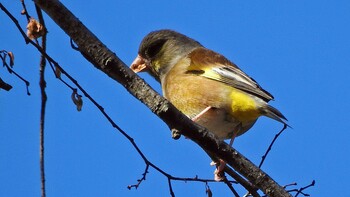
219 171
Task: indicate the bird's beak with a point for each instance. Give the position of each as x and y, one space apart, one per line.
138 65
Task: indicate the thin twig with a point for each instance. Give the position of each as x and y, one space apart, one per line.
15 21
271 144
247 185
42 84
208 190
229 185
9 67
25 11
290 184
140 180
171 188
300 191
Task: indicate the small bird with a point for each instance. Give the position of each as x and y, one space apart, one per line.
203 84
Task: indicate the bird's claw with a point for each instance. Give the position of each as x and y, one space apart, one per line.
219 171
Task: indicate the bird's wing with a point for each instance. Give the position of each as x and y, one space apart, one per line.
212 65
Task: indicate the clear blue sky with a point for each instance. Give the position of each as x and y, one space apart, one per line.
297 50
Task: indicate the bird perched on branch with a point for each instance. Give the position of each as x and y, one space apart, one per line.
204 85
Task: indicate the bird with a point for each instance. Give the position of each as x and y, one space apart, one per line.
204 85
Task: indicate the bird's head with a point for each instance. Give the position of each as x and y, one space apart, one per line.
160 50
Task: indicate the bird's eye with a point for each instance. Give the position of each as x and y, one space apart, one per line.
154 48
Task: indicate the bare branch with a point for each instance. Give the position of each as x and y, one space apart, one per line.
271 144
42 84
229 185
4 55
25 11
300 191
139 181
171 188
247 185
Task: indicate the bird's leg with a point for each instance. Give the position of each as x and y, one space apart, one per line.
201 113
220 168
175 133
233 138
218 173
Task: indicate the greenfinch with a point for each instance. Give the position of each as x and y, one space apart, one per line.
203 84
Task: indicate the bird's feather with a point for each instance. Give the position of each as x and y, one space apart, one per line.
211 65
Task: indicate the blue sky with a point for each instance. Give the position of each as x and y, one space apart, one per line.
297 50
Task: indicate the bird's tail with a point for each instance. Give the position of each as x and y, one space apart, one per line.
275 114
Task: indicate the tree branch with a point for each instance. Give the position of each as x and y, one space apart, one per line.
105 60
42 85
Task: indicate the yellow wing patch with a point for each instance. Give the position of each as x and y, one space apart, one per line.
209 73
211 65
